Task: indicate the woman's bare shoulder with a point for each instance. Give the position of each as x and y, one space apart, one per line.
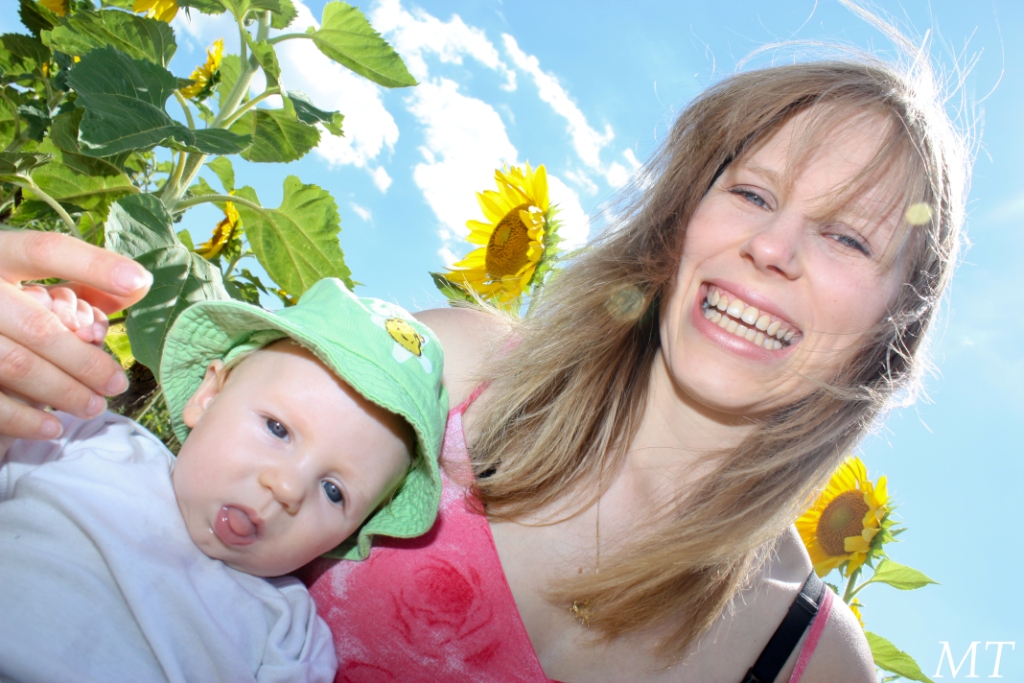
469 337
842 654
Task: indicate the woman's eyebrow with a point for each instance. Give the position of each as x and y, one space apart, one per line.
763 171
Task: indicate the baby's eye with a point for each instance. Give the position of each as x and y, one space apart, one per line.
276 428
332 491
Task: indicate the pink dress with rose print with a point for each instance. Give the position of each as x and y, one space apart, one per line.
438 607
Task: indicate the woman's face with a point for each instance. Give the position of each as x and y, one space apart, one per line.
775 287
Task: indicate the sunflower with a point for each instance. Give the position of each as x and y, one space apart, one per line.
844 523
855 607
226 231
164 10
206 76
58 7
518 220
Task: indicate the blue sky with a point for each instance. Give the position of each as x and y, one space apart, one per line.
588 89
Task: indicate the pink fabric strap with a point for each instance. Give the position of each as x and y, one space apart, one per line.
813 636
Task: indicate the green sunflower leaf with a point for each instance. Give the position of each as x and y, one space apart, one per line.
308 113
275 136
22 54
35 17
450 289
347 37
124 102
225 171
79 190
139 224
230 69
282 12
64 136
138 37
21 163
8 117
204 6
180 279
899 576
296 243
266 57
890 658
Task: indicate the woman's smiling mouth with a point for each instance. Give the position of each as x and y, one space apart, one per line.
740 319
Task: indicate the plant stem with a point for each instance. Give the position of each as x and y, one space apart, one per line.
850 592
288 36
175 180
210 198
188 112
234 262
150 402
27 183
250 104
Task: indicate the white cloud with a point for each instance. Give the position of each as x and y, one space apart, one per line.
583 180
361 211
587 141
464 141
381 179
575 222
417 33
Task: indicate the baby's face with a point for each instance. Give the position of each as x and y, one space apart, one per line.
284 462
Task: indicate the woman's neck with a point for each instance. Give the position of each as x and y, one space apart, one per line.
679 437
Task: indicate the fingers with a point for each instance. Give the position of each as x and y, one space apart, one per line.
24 422
33 255
37 343
65 307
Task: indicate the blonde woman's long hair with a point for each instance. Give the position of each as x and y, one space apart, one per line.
564 403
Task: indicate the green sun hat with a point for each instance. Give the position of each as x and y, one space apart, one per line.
376 347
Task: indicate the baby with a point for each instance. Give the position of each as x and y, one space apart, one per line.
309 431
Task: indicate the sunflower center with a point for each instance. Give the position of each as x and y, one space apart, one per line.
843 517
507 249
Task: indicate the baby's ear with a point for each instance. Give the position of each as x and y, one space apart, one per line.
213 382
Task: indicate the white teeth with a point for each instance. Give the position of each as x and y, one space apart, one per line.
758 327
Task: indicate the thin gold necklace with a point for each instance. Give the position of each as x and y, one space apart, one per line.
581 610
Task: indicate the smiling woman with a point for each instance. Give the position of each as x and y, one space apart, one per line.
641 469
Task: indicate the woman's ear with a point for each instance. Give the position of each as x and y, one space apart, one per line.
213 382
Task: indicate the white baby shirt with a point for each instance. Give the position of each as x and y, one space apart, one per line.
100 581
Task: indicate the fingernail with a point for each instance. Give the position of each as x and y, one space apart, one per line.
97 404
99 332
50 429
117 384
130 277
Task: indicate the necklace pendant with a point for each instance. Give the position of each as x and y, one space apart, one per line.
580 611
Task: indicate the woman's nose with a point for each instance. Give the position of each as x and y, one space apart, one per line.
775 247
285 484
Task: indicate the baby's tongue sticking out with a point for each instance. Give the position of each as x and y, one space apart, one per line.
240 522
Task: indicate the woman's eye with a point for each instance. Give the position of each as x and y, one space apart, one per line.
752 197
853 243
332 491
276 428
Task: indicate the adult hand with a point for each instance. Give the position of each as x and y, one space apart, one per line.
40 357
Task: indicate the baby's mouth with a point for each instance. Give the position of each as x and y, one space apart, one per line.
743 320
236 526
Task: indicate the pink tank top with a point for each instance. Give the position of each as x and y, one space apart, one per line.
438 607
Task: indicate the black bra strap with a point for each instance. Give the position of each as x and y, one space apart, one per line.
782 643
